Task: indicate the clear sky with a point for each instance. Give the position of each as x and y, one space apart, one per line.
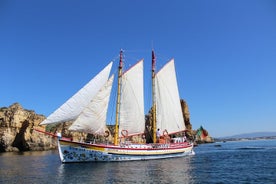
224 51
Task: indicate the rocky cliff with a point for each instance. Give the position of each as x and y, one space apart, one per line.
20 130
17 130
202 136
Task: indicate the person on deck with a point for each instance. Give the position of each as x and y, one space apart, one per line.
158 134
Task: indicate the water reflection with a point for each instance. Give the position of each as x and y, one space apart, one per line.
177 170
44 167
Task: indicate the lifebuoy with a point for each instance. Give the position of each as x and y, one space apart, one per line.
124 133
165 133
106 133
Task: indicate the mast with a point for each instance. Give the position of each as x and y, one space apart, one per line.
116 136
153 98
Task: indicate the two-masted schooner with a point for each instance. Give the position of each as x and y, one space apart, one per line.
88 111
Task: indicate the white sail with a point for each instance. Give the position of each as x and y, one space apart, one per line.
168 109
132 117
71 109
93 118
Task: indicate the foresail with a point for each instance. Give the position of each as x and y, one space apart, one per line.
132 117
168 109
71 109
93 118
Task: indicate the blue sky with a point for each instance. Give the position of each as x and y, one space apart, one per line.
224 51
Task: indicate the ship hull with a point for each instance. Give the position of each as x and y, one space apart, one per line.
83 152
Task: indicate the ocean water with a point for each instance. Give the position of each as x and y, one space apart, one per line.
230 162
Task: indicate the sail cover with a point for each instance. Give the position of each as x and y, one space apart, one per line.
71 109
131 117
168 109
93 118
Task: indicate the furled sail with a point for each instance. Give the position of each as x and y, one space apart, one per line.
132 117
93 118
168 109
71 109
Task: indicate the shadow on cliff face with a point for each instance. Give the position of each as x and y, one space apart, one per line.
2 146
19 141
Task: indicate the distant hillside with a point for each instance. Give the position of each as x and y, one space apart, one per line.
250 135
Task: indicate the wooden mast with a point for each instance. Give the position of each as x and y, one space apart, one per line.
153 98
116 136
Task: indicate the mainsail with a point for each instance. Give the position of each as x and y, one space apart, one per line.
93 118
132 117
72 108
168 110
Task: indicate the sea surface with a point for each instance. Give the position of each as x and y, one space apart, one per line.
229 162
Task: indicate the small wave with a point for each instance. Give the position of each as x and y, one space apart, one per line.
251 148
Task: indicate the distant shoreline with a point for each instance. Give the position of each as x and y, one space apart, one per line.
244 139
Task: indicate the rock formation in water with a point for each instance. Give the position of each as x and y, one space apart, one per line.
202 136
186 115
20 130
17 130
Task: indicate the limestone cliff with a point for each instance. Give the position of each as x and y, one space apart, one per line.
186 116
20 130
17 130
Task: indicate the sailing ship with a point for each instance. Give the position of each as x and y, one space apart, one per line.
88 111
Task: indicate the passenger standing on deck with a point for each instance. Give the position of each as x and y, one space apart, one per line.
158 134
